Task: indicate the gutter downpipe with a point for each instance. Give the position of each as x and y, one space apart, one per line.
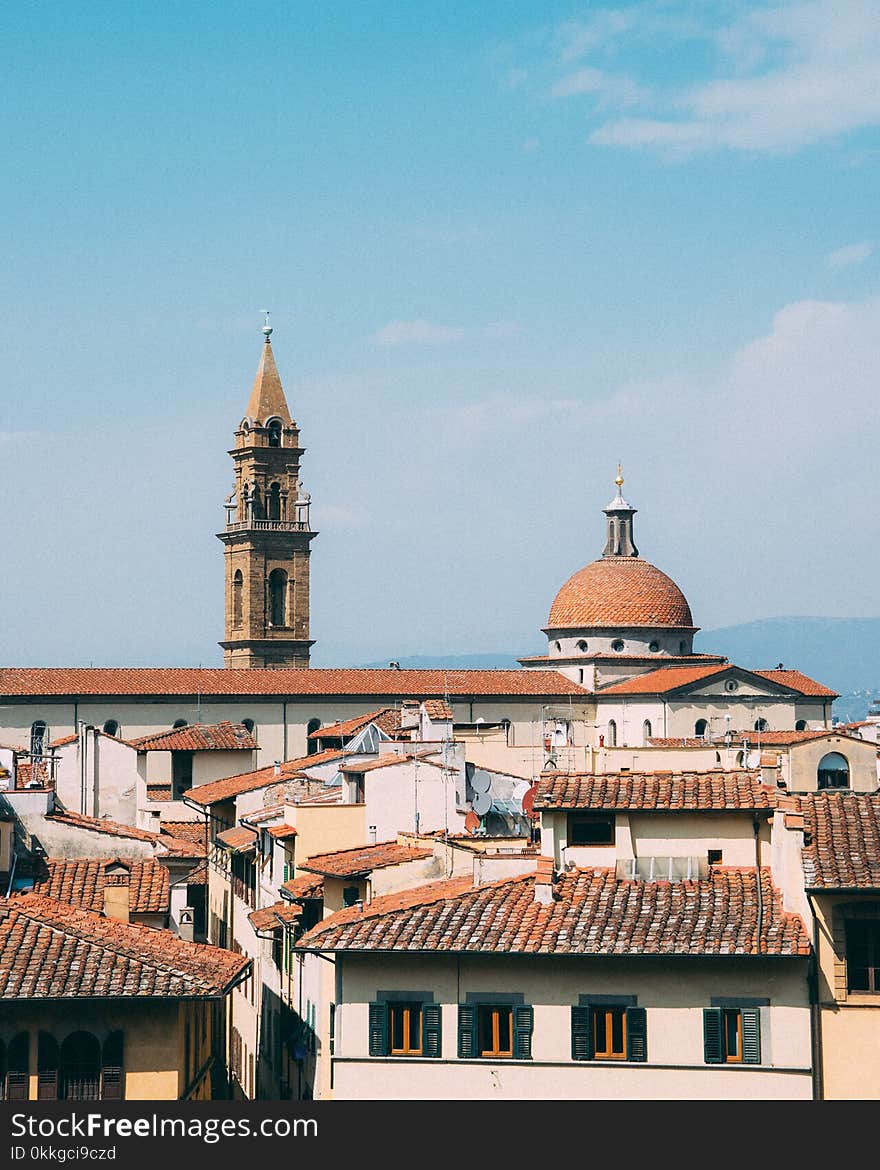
815 1009
757 827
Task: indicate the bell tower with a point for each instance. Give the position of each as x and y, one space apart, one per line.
268 533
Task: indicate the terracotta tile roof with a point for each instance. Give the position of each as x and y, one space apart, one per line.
842 841
198 737
52 950
687 741
592 913
239 839
209 681
438 709
619 592
305 886
233 786
159 792
280 832
195 831
349 862
665 678
275 916
787 738
101 825
82 883
68 739
798 682
331 794
385 717
656 791
37 770
391 759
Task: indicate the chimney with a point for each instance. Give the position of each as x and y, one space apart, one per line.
371 834
117 891
769 764
277 768
544 881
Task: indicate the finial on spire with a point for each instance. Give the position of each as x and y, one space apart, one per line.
267 328
619 480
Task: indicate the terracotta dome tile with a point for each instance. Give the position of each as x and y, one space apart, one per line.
619 592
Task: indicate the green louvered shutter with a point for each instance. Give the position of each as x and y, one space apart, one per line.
467 1031
431 1042
713 1047
523 1021
581 1033
636 1034
378 1029
751 1035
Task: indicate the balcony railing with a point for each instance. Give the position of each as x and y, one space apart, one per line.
268 526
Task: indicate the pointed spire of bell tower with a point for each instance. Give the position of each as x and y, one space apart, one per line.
267 396
620 542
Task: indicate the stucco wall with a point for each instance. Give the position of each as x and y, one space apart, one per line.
673 992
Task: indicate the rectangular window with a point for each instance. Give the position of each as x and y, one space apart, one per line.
608 1031
732 1035
591 829
863 956
405 1028
405 1021
495 1031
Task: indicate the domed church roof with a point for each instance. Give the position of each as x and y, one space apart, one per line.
619 591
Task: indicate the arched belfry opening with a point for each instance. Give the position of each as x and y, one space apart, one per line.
268 534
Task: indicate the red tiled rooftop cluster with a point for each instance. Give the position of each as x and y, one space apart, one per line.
82 883
655 791
349 862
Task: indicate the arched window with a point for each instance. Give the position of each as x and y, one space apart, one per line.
275 430
582 645
761 725
278 597
273 502
237 587
646 732
701 727
612 733
312 744
111 727
15 1082
80 1068
740 759
617 645
47 1067
833 771
111 1068
180 723
39 738
249 724
801 725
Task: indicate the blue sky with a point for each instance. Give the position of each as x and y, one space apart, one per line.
505 245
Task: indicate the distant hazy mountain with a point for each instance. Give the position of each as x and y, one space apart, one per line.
843 653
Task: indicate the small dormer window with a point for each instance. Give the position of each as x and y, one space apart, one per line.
274 432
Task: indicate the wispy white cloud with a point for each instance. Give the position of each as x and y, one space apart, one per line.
615 89
17 436
416 333
850 254
398 333
777 77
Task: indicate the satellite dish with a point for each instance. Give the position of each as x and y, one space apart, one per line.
528 800
482 803
481 781
471 822
519 790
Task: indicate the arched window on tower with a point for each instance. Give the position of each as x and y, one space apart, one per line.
278 598
275 431
273 502
612 733
237 588
646 732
